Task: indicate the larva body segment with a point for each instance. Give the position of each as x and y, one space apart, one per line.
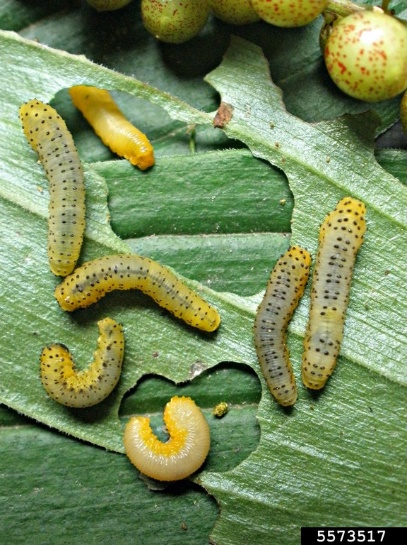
284 290
340 238
48 135
90 386
182 454
109 123
90 282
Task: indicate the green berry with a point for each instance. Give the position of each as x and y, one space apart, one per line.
403 112
108 5
234 12
366 56
174 21
289 13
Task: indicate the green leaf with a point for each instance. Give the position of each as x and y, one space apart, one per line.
323 163
209 220
173 350
343 473
80 494
56 489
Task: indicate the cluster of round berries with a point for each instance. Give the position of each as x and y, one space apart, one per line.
365 48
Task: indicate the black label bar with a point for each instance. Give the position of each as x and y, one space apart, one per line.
352 535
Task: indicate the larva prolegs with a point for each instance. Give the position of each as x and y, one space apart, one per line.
88 387
48 135
284 289
90 282
341 236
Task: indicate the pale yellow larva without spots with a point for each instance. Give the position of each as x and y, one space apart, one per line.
340 238
283 293
90 282
109 123
182 454
48 135
90 386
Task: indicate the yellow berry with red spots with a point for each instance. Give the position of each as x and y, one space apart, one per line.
366 56
234 12
174 21
288 13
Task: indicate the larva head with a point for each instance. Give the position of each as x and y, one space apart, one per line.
32 108
143 157
208 321
348 216
63 300
300 255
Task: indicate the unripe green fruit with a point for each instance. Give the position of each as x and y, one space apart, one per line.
366 56
108 5
234 12
174 21
403 112
288 13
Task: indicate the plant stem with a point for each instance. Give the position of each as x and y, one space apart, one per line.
342 8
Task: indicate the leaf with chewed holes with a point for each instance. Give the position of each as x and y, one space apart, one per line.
335 458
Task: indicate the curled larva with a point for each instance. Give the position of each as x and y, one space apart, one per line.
284 290
182 454
85 388
90 282
48 135
340 238
109 123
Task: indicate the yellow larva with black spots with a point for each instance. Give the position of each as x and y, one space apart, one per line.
109 123
341 236
284 289
48 135
182 454
90 282
85 388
